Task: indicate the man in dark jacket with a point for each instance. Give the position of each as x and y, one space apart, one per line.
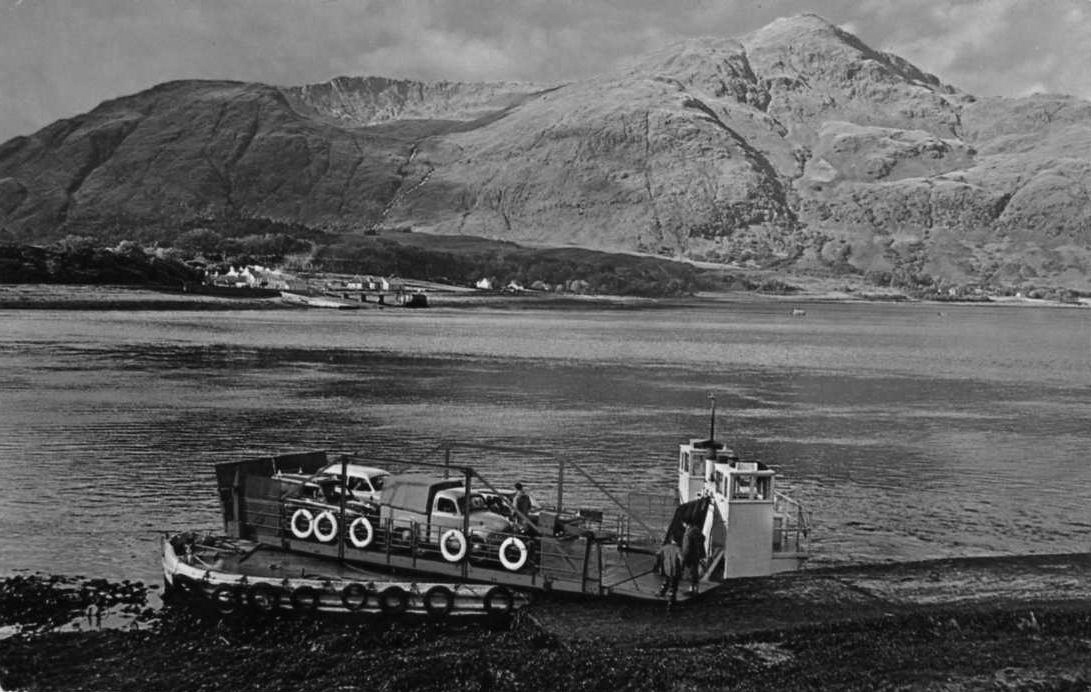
522 507
693 551
668 562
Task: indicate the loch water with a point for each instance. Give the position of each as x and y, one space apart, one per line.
910 431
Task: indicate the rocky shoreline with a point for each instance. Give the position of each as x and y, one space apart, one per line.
987 623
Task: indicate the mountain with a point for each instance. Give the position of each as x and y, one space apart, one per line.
796 147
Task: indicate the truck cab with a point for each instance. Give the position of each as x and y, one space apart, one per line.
430 506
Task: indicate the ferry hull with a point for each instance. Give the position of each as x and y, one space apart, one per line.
235 576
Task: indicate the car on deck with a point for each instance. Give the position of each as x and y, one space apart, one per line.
363 483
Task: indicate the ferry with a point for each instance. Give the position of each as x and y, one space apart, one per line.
446 522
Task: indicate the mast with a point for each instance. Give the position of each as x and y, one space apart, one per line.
712 427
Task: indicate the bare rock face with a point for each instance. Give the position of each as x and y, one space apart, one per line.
373 100
815 72
795 146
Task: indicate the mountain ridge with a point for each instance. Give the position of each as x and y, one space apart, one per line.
794 147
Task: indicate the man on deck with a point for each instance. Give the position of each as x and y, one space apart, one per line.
522 507
693 551
668 562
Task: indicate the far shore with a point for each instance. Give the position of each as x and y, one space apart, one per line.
104 297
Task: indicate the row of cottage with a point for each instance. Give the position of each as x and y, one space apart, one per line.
573 286
257 276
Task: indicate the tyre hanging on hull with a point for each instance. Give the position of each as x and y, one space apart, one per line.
354 597
305 599
264 597
438 601
394 600
499 601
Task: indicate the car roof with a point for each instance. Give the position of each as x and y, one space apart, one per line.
358 470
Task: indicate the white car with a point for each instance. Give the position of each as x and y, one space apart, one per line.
364 483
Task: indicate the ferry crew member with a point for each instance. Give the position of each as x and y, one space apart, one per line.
668 562
522 507
693 551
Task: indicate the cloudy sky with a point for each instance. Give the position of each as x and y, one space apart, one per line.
61 57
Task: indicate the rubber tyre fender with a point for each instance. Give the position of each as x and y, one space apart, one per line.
354 597
225 598
499 601
322 536
463 545
185 585
394 600
438 601
264 597
361 543
305 599
307 516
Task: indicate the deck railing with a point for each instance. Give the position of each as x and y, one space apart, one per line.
791 525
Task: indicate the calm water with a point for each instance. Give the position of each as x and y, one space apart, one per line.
910 432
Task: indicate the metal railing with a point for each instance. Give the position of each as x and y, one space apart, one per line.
791 525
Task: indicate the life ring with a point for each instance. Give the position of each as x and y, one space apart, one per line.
225 598
369 534
305 599
438 601
263 597
460 541
304 531
394 600
354 596
516 564
499 601
325 517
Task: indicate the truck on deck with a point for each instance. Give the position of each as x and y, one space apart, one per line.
433 510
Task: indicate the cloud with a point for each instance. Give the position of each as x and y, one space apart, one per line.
993 47
59 58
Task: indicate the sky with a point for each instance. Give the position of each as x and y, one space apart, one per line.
62 57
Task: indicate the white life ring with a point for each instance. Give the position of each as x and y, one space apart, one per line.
517 564
369 534
302 532
460 539
325 536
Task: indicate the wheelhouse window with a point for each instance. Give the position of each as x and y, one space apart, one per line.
750 487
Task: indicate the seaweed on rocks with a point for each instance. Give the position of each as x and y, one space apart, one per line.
39 602
988 645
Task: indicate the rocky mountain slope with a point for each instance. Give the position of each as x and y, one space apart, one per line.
796 147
